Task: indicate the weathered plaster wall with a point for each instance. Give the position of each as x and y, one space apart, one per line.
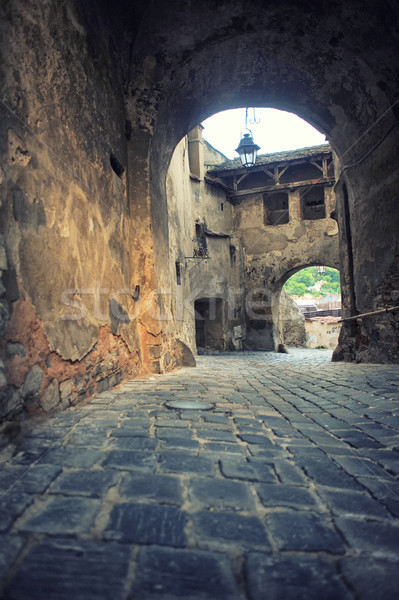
273 253
322 332
292 322
67 321
192 201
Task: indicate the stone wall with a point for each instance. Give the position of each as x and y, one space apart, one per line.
66 228
275 252
292 322
194 206
94 102
322 332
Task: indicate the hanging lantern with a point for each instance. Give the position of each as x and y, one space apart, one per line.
247 149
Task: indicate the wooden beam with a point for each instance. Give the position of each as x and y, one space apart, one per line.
242 178
318 166
281 186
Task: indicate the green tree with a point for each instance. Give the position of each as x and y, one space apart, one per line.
302 281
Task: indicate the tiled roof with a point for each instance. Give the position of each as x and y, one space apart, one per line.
275 157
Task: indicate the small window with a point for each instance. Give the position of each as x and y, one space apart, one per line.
276 208
312 203
221 206
178 273
233 255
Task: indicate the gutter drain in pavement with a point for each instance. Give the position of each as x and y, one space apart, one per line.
189 405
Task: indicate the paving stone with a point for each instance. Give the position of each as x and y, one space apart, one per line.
219 447
324 472
221 494
292 578
264 469
164 433
12 505
262 440
130 460
286 495
66 569
303 531
216 435
372 578
131 443
238 468
31 480
72 457
242 530
63 516
379 537
122 432
157 488
10 546
288 472
179 462
147 524
179 443
345 503
169 574
94 483
358 466
389 459
93 439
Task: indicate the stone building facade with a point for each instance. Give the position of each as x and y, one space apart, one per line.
93 103
258 226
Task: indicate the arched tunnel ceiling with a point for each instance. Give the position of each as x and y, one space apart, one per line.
327 62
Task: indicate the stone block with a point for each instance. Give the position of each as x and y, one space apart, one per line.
181 462
12 505
378 537
65 516
32 481
303 532
170 573
66 389
371 577
237 468
50 398
158 488
292 578
241 530
10 545
33 381
4 317
3 379
221 494
127 460
15 349
133 443
94 483
11 402
3 255
155 351
286 495
82 570
147 524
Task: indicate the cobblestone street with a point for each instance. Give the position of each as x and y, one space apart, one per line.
286 489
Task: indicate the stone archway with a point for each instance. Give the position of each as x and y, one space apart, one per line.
278 291
273 56
84 158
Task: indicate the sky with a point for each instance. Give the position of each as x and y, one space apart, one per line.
275 130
